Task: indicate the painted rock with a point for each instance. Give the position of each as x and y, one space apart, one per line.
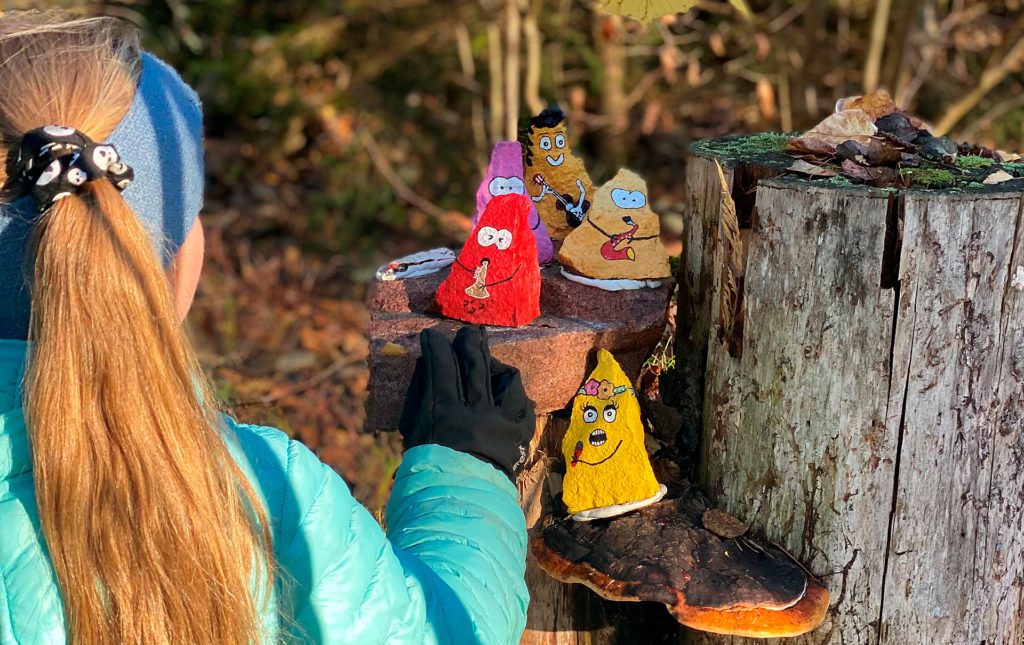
496 279
504 176
556 180
620 239
607 469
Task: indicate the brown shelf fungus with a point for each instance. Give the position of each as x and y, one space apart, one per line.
663 553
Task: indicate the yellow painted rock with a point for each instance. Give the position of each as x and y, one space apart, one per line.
607 470
620 239
556 180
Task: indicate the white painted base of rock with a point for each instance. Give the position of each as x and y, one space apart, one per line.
611 285
618 509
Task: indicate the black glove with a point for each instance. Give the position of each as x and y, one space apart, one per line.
461 398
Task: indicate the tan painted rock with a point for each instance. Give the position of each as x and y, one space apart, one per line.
621 237
556 180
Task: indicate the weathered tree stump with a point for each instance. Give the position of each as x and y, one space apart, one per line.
859 366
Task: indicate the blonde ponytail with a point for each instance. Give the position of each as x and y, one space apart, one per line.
148 520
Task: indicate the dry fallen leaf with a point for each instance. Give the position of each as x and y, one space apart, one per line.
1008 156
879 177
393 349
876 105
805 168
848 125
802 146
998 177
883 153
723 524
898 125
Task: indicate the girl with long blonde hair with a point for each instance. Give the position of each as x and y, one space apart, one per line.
131 509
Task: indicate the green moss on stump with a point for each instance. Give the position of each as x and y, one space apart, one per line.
929 177
768 150
973 162
743 146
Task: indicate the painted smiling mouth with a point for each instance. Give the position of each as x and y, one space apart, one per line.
556 161
577 460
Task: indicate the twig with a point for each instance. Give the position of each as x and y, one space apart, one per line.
1001 108
879 28
383 166
468 65
531 32
313 381
937 34
997 70
513 40
496 78
642 86
336 366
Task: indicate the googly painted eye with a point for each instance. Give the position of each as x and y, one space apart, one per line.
545 142
487 236
516 185
589 414
560 140
504 186
504 239
610 413
628 198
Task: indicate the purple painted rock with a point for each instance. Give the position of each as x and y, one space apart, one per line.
504 176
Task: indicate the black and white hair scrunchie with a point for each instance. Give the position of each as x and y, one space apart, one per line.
56 161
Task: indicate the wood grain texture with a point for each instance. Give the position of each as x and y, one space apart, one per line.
955 561
795 440
874 427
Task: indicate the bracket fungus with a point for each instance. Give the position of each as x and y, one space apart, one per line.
663 553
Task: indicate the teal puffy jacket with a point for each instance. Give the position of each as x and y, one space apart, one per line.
450 570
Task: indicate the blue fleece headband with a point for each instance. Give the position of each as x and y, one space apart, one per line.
161 138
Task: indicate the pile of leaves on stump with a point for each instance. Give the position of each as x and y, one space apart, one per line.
870 140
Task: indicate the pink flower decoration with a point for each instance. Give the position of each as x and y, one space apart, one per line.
592 387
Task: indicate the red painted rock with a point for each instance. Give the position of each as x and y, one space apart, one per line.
495 280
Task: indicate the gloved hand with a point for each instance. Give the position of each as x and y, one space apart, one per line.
461 398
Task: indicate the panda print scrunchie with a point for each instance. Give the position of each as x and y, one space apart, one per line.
56 161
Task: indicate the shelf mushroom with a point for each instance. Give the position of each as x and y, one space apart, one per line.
665 553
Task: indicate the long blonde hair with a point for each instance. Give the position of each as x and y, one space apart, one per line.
154 532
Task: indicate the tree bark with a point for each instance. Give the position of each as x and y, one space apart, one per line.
872 422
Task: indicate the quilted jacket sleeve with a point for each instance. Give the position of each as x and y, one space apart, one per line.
450 569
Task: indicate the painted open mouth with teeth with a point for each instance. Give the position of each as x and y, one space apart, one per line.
598 438
556 161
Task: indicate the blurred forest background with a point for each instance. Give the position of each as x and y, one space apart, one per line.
341 134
